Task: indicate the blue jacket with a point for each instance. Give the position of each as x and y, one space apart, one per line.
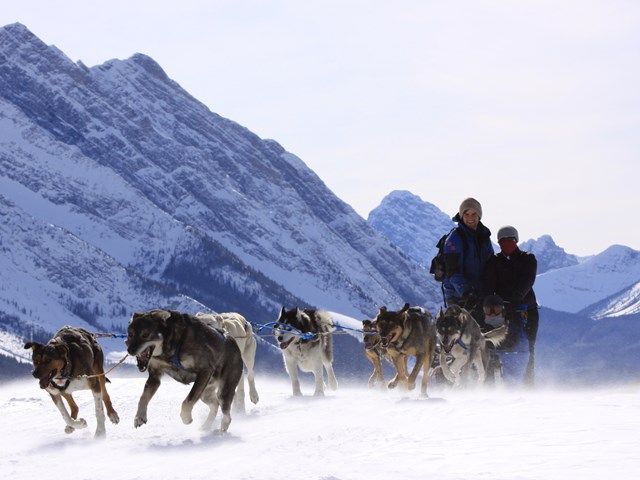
466 253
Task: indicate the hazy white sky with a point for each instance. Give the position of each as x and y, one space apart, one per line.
531 107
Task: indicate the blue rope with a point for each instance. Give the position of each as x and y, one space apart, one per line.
305 336
110 335
343 328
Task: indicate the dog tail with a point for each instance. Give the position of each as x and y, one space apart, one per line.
325 322
497 335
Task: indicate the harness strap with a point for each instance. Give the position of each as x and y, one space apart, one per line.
461 343
175 358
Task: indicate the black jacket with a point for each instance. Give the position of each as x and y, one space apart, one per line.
512 278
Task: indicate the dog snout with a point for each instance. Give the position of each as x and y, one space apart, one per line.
34 373
280 338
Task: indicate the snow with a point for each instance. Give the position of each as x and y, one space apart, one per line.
350 434
626 303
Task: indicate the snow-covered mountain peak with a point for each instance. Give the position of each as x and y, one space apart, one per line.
149 64
411 223
616 253
17 41
577 287
19 31
550 256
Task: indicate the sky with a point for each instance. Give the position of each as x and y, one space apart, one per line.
530 107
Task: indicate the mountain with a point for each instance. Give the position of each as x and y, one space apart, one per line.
549 255
625 302
412 224
574 289
119 191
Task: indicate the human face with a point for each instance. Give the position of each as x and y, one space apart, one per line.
470 218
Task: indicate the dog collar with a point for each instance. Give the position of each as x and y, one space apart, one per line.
60 387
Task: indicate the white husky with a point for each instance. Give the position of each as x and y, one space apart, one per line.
309 355
236 326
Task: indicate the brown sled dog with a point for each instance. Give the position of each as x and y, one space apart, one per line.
375 352
62 367
408 332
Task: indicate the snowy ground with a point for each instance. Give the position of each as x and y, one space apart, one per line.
353 433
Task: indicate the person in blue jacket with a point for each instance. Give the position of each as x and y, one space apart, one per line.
466 251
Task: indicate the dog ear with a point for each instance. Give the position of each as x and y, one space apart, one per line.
33 346
440 314
383 309
405 308
366 323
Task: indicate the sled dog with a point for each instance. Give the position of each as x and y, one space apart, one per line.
189 350
236 326
307 355
375 352
460 336
61 366
408 332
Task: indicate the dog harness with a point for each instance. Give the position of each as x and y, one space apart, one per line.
175 358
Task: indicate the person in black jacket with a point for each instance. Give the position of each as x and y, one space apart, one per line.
511 274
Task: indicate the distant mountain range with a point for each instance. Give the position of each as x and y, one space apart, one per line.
599 286
612 275
119 192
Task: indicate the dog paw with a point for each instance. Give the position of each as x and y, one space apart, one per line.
411 386
186 417
100 434
392 384
69 429
318 393
113 416
139 420
80 423
254 397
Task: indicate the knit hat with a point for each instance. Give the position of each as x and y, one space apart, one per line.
507 231
470 203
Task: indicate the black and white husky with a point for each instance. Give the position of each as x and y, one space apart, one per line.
309 355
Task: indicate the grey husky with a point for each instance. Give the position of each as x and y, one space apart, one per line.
189 350
308 355
461 338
